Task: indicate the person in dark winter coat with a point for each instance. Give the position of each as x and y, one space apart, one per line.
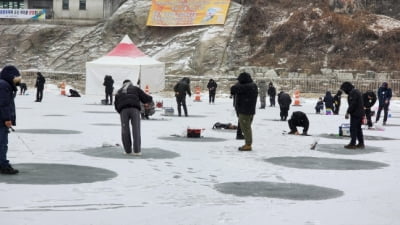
127 104
271 94
262 92
298 119
181 89
328 100
9 78
384 96
246 93
109 88
336 102
319 106
40 81
284 102
23 88
369 99
212 90
73 93
356 112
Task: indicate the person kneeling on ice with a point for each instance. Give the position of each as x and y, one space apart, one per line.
298 119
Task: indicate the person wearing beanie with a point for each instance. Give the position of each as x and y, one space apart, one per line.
40 80
9 78
356 112
384 95
245 93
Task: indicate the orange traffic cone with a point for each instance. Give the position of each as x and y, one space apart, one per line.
296 98
62 86
197 95
147 89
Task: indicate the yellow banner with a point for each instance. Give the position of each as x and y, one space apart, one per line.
187 12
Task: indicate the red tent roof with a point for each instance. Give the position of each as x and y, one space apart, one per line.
126 48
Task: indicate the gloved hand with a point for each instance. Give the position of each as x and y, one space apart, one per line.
347 116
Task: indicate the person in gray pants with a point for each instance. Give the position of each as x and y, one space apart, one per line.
127 104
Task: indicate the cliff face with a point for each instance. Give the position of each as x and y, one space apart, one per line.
288 34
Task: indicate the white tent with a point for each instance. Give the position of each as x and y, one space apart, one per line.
125 61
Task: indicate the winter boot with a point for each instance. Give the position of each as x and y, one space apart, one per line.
350 146
245 148
8 170
360 146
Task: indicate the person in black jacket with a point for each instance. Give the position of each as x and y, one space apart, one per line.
109 85
384 96
73 93
272 93
181 89
369 99
9 78
328 100
298 119
212 90
40 80
246 93
23 88
356 112
127 104
284 102
336 102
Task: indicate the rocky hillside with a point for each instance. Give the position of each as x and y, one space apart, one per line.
295 35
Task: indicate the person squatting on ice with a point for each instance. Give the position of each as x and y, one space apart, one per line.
212 90
336 102
127 104
245 93
369 99
356 111
40 81
262 93
284 102
319 106
9 78
109 88
272 94
180 89
384 96
298 119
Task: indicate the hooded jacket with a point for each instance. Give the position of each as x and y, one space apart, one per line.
7 94
384 93
245 93
263 88
284 100
108 83
40 80
369 99
271 90
130 96
328 100
337 98
354 99
212 86
182 87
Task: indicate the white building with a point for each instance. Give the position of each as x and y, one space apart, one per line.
68 9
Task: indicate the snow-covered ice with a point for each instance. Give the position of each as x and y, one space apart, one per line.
184 181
